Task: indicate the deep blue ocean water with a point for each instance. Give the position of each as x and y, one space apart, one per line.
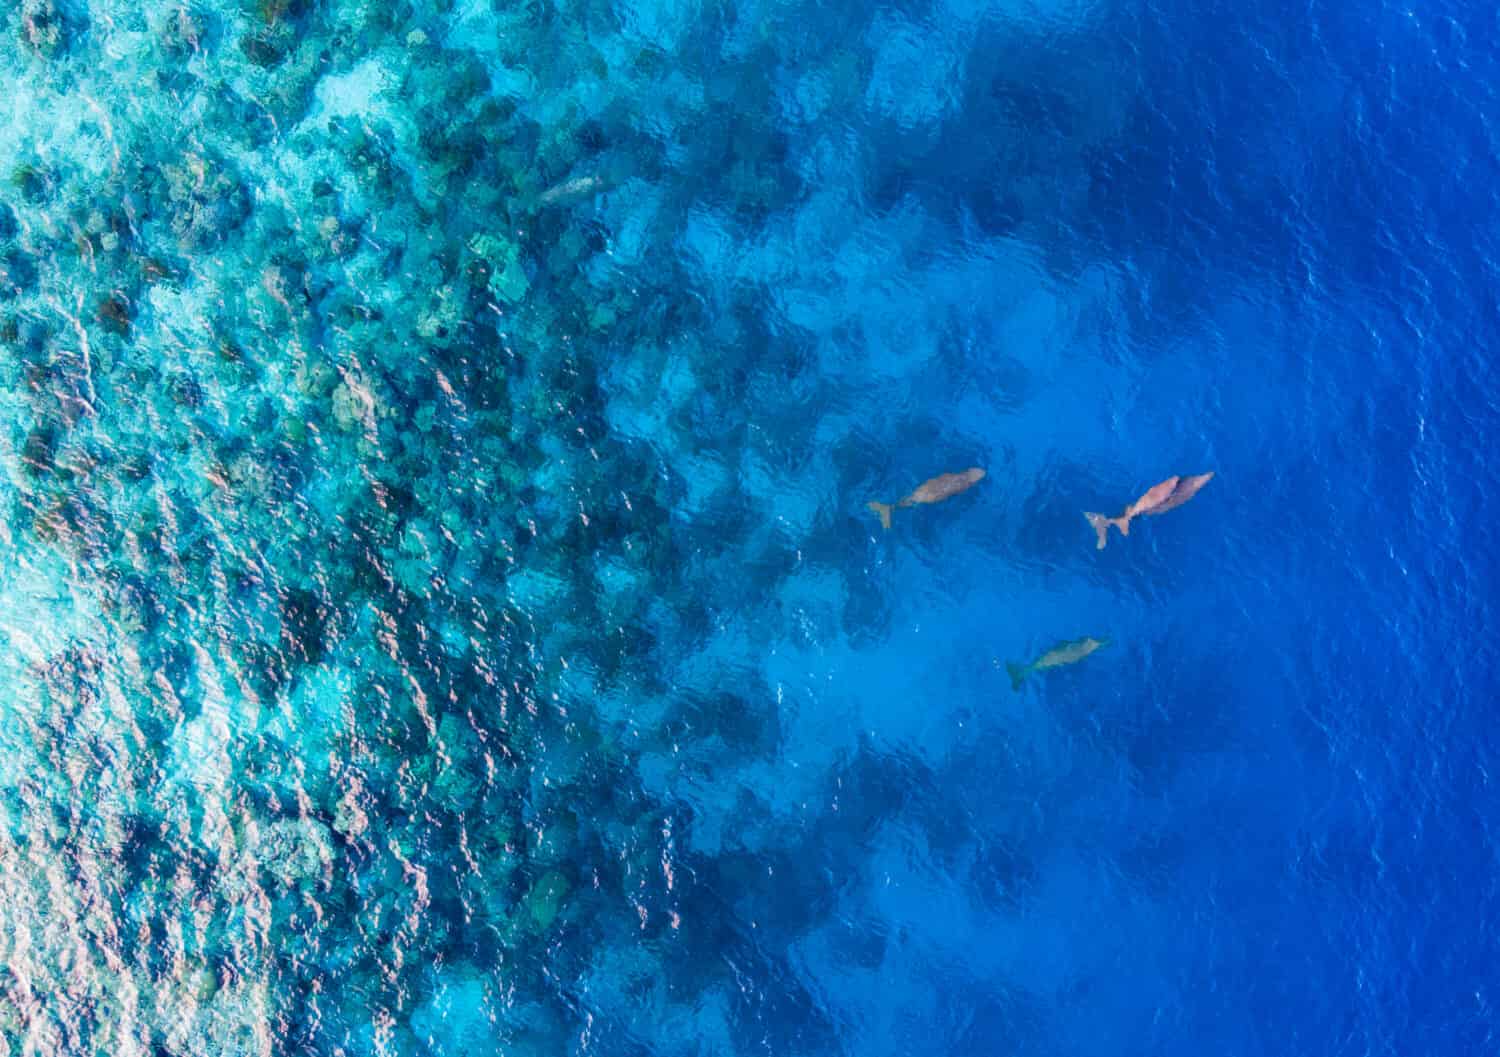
440 610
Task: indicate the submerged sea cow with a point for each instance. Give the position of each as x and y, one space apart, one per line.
1158 499
1059 655
944 486
578 187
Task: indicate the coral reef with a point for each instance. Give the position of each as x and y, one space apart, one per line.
407 414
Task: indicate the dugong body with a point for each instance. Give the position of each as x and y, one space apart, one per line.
1186 488
943 486
1063 653
577 187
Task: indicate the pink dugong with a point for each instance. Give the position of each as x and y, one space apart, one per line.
1157 499
1186 488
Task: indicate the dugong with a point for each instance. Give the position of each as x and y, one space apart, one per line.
1186 488
1059 655
1157 499
943 486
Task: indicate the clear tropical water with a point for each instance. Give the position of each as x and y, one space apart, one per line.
440 610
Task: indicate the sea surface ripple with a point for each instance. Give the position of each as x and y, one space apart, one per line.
440 610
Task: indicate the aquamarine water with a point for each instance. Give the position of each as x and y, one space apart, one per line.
440 609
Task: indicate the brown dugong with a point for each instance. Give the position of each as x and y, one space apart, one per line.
1063 653
943 486
1157 499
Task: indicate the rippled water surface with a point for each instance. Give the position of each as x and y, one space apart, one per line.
439 605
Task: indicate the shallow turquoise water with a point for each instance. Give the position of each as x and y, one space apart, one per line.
442 612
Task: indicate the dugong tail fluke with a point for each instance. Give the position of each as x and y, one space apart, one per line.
1018 673
883 511
1101 526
